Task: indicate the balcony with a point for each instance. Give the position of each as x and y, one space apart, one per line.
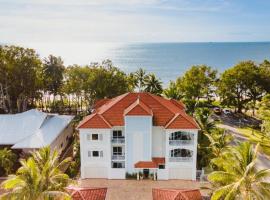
118 140
118 157
180 159
181 142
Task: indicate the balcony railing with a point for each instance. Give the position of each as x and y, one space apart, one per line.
181 142
118 157
120 164
118 140
180 159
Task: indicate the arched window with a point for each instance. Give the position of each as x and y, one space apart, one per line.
181 135
181 153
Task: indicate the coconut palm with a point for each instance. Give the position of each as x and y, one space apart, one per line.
172 91
39 178
7 160
140 76
203 118
238 176
153 84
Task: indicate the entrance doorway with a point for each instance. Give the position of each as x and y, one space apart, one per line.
146 173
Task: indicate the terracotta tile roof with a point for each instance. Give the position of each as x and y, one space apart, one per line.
158 160
150 164
164 111
176 194
100 103
146 164
87 193
138 108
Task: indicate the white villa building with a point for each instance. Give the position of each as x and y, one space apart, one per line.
138 133
33 129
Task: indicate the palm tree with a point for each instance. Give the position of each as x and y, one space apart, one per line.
172 91
140 76
238 176
7 160
203 118
153 85
39 178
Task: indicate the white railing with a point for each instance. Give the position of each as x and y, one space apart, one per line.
118 157
181 142
118 140
180 159
122 163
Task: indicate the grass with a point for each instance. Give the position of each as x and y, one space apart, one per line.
256 136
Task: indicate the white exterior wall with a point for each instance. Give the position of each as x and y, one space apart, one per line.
95 167
158 141
184 169
62 139
138 131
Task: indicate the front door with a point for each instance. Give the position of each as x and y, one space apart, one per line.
146 173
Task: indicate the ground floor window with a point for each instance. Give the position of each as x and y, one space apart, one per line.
181 153
161 166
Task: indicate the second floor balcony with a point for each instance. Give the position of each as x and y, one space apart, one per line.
118 140
118 157
181 142
180 159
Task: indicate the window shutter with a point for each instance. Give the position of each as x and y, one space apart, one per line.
88 137
100 137
101 153
89 153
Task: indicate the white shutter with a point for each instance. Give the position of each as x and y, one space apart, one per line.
89 153
88 136
101 153
100 137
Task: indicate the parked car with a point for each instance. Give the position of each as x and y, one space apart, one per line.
217 110
226 111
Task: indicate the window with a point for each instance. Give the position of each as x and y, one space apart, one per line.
117 134
117 151
117 165
94 136
161 166
180 135
95 153
181 153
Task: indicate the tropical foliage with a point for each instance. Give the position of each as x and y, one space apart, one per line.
7 160
238 177
40 177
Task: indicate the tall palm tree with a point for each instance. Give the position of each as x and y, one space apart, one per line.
203 118
238 176
140 76
39 178
172 91
153 84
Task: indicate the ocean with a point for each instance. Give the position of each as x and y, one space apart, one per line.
170 60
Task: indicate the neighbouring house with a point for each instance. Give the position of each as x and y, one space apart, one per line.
33 129
138 134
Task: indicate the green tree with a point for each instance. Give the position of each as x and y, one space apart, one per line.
39 178
203 118
172 92
238 177
264 68
20 80
153 84
240 84
53 73
140 75
264 113
7 160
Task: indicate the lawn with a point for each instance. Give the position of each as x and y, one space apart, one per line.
257 137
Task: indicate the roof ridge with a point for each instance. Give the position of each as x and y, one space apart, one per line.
117 99
138 102
158 100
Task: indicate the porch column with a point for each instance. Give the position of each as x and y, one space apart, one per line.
138 176
155 177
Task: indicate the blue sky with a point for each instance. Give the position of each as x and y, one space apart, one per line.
41 23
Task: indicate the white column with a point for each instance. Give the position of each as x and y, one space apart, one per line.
138 175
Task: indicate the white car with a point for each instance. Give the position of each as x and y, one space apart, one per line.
226 111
